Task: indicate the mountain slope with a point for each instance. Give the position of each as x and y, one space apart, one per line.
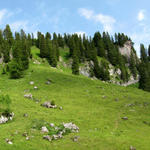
95 107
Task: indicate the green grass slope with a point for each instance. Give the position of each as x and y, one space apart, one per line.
95 107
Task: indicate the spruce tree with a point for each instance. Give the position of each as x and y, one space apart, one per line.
100 49
52 54
143 53
149 52
43 52
75 63
97 38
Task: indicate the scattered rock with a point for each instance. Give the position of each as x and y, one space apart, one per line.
71 126
75 139
4 119
125 118
60 108
35 87
9 141
52 125
59 131
55 137
29 96
47 137
36 62
25 134
44 129
25 115
49 105
132 148
27 138
47 82
104 96
31 82
130 105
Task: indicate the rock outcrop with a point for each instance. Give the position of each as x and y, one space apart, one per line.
126 49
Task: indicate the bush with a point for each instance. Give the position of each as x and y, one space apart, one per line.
5 102
15 70
53 102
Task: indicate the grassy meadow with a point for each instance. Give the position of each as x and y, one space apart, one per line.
95 107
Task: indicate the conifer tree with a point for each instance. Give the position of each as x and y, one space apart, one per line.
7 44
97 38
52 54
16 66
75 63
48 36
33 40
144 82
144 70
143 53
100 49
149 52
43 53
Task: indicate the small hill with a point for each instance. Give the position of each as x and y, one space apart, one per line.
109 117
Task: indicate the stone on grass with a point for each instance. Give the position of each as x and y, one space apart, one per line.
35 87
4 119
44 129
31 82
104 96
55 137
132 148
25 134
9 141
27 138
47 137
75 139
47 82
60 108
52 125
25 115
48 105
29 96
125 118
71 126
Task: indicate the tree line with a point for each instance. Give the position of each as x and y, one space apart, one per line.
144 68
15 49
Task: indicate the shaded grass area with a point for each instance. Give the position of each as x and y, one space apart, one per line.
95 107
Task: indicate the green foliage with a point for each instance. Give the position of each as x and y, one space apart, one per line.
52 102
37 124
104 70
144 70
75 65
15 69
5 102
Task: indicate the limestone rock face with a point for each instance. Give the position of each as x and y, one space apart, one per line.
126 49
85 70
